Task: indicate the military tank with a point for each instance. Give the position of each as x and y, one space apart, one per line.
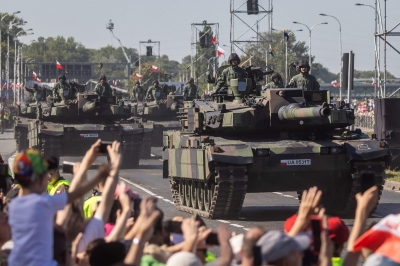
69 128
282 140
159 115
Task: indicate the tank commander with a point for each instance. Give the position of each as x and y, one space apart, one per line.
154 92
103 88
232 72
137 92
36 93
190 90
276 81
62 90
304 80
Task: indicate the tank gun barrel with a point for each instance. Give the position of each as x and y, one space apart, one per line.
295 111
90 106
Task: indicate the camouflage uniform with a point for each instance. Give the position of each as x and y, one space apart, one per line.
36 93
304 81
103 89
232 72
137 93
154 92
273 84
190 90
62 91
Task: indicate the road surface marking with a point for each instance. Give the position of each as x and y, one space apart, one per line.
237 225
138 186
223 221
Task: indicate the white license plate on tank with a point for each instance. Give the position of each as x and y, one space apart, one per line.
296 162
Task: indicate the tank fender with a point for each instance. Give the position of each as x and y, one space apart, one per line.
232 154
366 150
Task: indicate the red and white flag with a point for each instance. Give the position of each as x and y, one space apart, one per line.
18 85
214 40
58 65
34 76
11 85
383 238
220 51
373 82
38 80
154 69
138 76
4 86
335 83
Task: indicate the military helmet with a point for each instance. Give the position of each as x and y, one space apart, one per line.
233 56
303 63
62 76
191 80
102 77
137 83
275 75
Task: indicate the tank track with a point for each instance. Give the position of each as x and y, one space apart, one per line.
220 197
146 146
376 171
50 146
21 138
131 150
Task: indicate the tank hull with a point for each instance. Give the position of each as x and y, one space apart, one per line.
236 167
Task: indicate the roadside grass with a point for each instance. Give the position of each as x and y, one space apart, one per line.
393 175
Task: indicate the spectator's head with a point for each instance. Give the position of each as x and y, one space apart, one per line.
184 259
249 241
279 249
106 254
114 210
30 171
91 246
53 172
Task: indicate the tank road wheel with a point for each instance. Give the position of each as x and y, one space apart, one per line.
182 191
200 195
208 195
193 192
187 190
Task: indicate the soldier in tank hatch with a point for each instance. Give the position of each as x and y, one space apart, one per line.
304 80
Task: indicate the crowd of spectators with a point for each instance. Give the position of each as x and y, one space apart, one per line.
123 229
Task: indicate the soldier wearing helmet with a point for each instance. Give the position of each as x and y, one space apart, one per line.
190 90
103 88
232 72
155 92
62 90
137 92
276 81
36 93
304 80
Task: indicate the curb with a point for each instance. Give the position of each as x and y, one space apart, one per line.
392 186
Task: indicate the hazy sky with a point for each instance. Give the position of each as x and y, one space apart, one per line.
169 21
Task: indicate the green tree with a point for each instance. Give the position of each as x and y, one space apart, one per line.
358 74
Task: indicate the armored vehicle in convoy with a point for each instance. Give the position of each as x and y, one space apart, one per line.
69 128
285 139
159 115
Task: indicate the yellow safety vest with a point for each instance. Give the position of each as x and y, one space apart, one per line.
88 206
6 116
52 189
337 261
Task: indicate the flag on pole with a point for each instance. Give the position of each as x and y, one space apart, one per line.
34 76
138 76
11 85
335 83
271 50
373 82
154 69
4 86
214 40
220 51
58 65
383 238
285 34
18 85
38 80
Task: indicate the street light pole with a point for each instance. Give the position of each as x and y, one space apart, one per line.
309 41
340 53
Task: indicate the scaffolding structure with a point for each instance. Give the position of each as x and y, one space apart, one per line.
197 53
240 14
381 34
151 44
